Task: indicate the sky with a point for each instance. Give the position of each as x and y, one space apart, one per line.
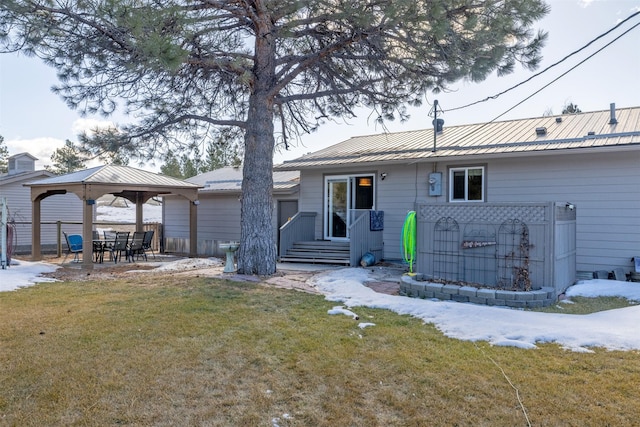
500 326
34 120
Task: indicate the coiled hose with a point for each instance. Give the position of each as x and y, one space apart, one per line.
408 239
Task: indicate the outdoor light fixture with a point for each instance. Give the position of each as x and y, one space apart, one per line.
570 206
364 182
196 202
383 175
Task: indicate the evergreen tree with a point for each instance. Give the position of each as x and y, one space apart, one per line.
190 68
66 159
4 156
571 108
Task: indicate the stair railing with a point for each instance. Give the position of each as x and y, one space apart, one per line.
301 227
362 239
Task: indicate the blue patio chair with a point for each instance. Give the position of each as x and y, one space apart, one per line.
74 246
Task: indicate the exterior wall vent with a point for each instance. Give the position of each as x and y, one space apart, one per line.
558 119
541 131
612 109
591 133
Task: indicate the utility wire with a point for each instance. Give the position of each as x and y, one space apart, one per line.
549 67
547 85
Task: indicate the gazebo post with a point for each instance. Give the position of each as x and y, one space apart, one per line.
87 234
193 228
139 212
36 253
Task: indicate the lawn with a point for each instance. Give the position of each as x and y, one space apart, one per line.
170 350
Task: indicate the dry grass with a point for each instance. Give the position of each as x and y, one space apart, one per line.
195 351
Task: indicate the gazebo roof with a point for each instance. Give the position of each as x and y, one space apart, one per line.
123 181
113 174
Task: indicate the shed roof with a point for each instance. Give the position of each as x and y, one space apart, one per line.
229 179
588 131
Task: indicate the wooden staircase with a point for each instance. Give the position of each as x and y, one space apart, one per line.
318 251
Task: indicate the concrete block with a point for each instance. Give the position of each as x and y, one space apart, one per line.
551 292
451 289
499 302
460 298
535 304
486 293
516 304
434 287
505 295
539 294
468 291
477 300
524 296
442 296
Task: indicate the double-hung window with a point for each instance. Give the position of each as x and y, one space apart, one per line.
466 184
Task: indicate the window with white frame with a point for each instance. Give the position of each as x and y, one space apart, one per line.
466 184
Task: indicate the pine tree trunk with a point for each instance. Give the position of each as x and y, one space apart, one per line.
258 252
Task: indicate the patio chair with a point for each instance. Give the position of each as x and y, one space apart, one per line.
146 243
136 246
74 246
109 240
98 247
120 246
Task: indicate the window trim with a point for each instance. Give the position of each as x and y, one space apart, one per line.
466 190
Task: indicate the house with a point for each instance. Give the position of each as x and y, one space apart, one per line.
219 209
62 207
582 168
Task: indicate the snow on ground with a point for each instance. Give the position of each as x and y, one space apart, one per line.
612 329
150 213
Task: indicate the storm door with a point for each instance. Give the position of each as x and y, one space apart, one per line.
346 197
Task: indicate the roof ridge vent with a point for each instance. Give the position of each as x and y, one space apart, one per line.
541 131
612 109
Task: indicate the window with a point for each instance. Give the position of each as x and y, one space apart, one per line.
466 184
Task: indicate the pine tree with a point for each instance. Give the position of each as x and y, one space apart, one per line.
190 69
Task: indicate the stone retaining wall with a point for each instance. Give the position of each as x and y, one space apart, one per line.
517 299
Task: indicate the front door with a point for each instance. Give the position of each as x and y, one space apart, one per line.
344 195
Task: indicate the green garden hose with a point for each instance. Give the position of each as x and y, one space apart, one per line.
409 239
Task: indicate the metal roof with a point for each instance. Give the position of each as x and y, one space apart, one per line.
590 130
119 175
229 179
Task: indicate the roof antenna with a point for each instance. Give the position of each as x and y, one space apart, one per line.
437 123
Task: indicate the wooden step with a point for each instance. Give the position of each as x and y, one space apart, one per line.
318 251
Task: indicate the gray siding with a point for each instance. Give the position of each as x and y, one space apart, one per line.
218 221
604 187
60 207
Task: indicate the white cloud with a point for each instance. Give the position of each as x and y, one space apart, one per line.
42 148
88 125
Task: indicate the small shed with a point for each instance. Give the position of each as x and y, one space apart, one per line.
21 170
135 185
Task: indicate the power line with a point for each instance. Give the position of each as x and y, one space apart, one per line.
550 66
547 85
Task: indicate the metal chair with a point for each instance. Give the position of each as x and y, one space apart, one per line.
74 246
136 246
120 245
146 243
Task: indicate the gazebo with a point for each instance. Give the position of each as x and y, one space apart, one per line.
133 184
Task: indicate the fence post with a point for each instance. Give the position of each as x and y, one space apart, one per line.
59 235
